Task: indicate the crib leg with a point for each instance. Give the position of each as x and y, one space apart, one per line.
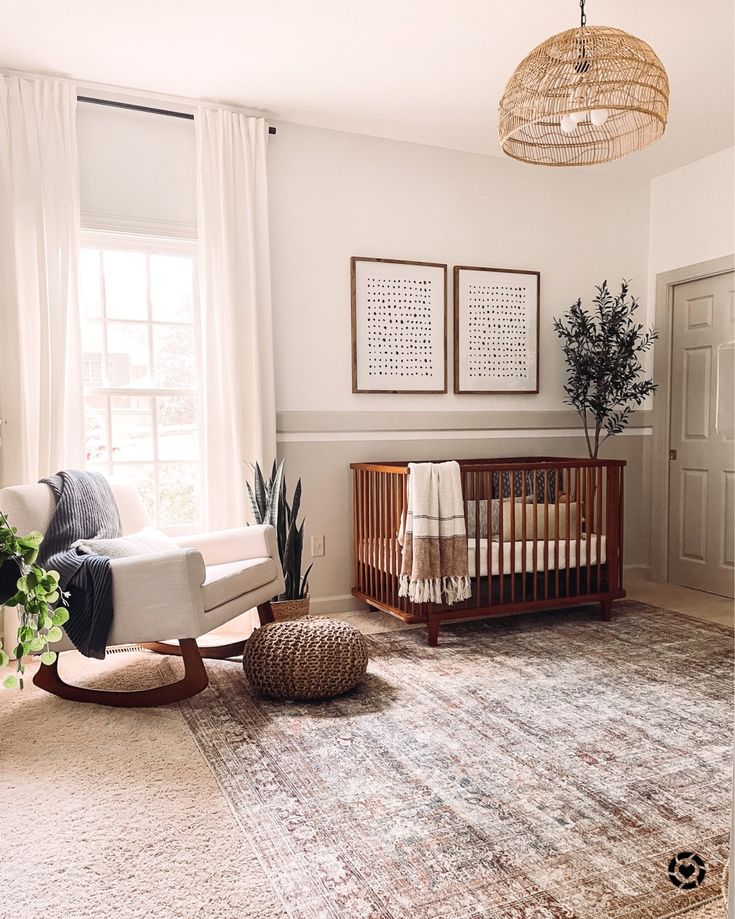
606 607
432 626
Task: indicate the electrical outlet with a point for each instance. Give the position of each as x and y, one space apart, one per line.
317 546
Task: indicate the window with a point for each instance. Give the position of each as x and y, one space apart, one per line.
141 367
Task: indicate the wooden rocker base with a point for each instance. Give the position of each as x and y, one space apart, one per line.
210 652
195 679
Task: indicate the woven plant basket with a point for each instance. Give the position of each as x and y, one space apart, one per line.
305 659
577 72
290 609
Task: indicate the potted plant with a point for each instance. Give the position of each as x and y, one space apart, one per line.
269 505
35 591
604 373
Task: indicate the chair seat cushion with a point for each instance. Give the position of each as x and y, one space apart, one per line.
233 579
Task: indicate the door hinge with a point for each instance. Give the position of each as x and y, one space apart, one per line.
672 456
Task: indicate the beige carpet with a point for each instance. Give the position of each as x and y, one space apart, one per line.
116 813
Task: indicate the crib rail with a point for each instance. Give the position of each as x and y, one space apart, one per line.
542 532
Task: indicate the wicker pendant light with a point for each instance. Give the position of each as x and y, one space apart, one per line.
584 96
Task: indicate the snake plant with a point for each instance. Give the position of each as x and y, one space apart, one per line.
270 505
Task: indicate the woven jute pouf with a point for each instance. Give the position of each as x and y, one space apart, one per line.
305 658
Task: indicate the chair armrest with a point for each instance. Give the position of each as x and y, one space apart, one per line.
161 570
159 594
234 545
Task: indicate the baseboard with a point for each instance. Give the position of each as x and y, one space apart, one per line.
641 571
342 603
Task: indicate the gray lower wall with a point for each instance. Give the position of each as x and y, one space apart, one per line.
322 460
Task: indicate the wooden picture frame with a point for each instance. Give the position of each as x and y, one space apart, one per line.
416 294
514 301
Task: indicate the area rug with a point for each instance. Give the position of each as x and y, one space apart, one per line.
541 767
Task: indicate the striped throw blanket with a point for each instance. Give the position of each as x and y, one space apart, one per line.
434 567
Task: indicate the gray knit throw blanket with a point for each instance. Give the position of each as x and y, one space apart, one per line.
85 509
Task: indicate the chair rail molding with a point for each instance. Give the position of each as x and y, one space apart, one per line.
393 425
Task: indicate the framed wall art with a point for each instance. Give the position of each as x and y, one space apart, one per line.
399 326
496 330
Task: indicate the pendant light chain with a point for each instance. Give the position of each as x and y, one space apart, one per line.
582 14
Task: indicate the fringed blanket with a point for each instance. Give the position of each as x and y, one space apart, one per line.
85 509
434 539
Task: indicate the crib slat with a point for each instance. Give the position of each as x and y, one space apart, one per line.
523 536
546 533
389 536
501 541
475 491
600 527
388 548
382 536
578 498
374 532
404 514
488 491
534 564
589 522
513 537
568 560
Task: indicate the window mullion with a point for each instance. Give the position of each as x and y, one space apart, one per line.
153 401
105 359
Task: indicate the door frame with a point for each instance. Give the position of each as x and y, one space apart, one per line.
662 367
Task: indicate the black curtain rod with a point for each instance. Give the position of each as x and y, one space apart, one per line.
145 108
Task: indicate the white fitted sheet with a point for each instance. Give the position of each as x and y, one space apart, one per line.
383 553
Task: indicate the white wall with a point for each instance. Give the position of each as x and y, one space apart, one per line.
335 195
692 215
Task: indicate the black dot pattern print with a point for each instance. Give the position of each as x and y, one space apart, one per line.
399 327
497 330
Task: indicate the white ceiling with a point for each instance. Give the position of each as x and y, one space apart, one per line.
428 71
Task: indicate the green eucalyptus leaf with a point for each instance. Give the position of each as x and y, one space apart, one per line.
3 658
54 634
48 657
37 644
11 682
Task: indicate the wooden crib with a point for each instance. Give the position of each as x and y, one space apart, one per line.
542 532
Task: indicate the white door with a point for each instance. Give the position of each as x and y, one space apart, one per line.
702 470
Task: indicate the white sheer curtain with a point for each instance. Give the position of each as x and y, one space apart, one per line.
234 280
41 392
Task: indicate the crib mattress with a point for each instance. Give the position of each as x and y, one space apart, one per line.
386 555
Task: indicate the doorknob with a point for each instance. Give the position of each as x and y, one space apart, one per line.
672 455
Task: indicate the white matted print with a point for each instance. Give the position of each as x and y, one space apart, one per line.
496 324
399 320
